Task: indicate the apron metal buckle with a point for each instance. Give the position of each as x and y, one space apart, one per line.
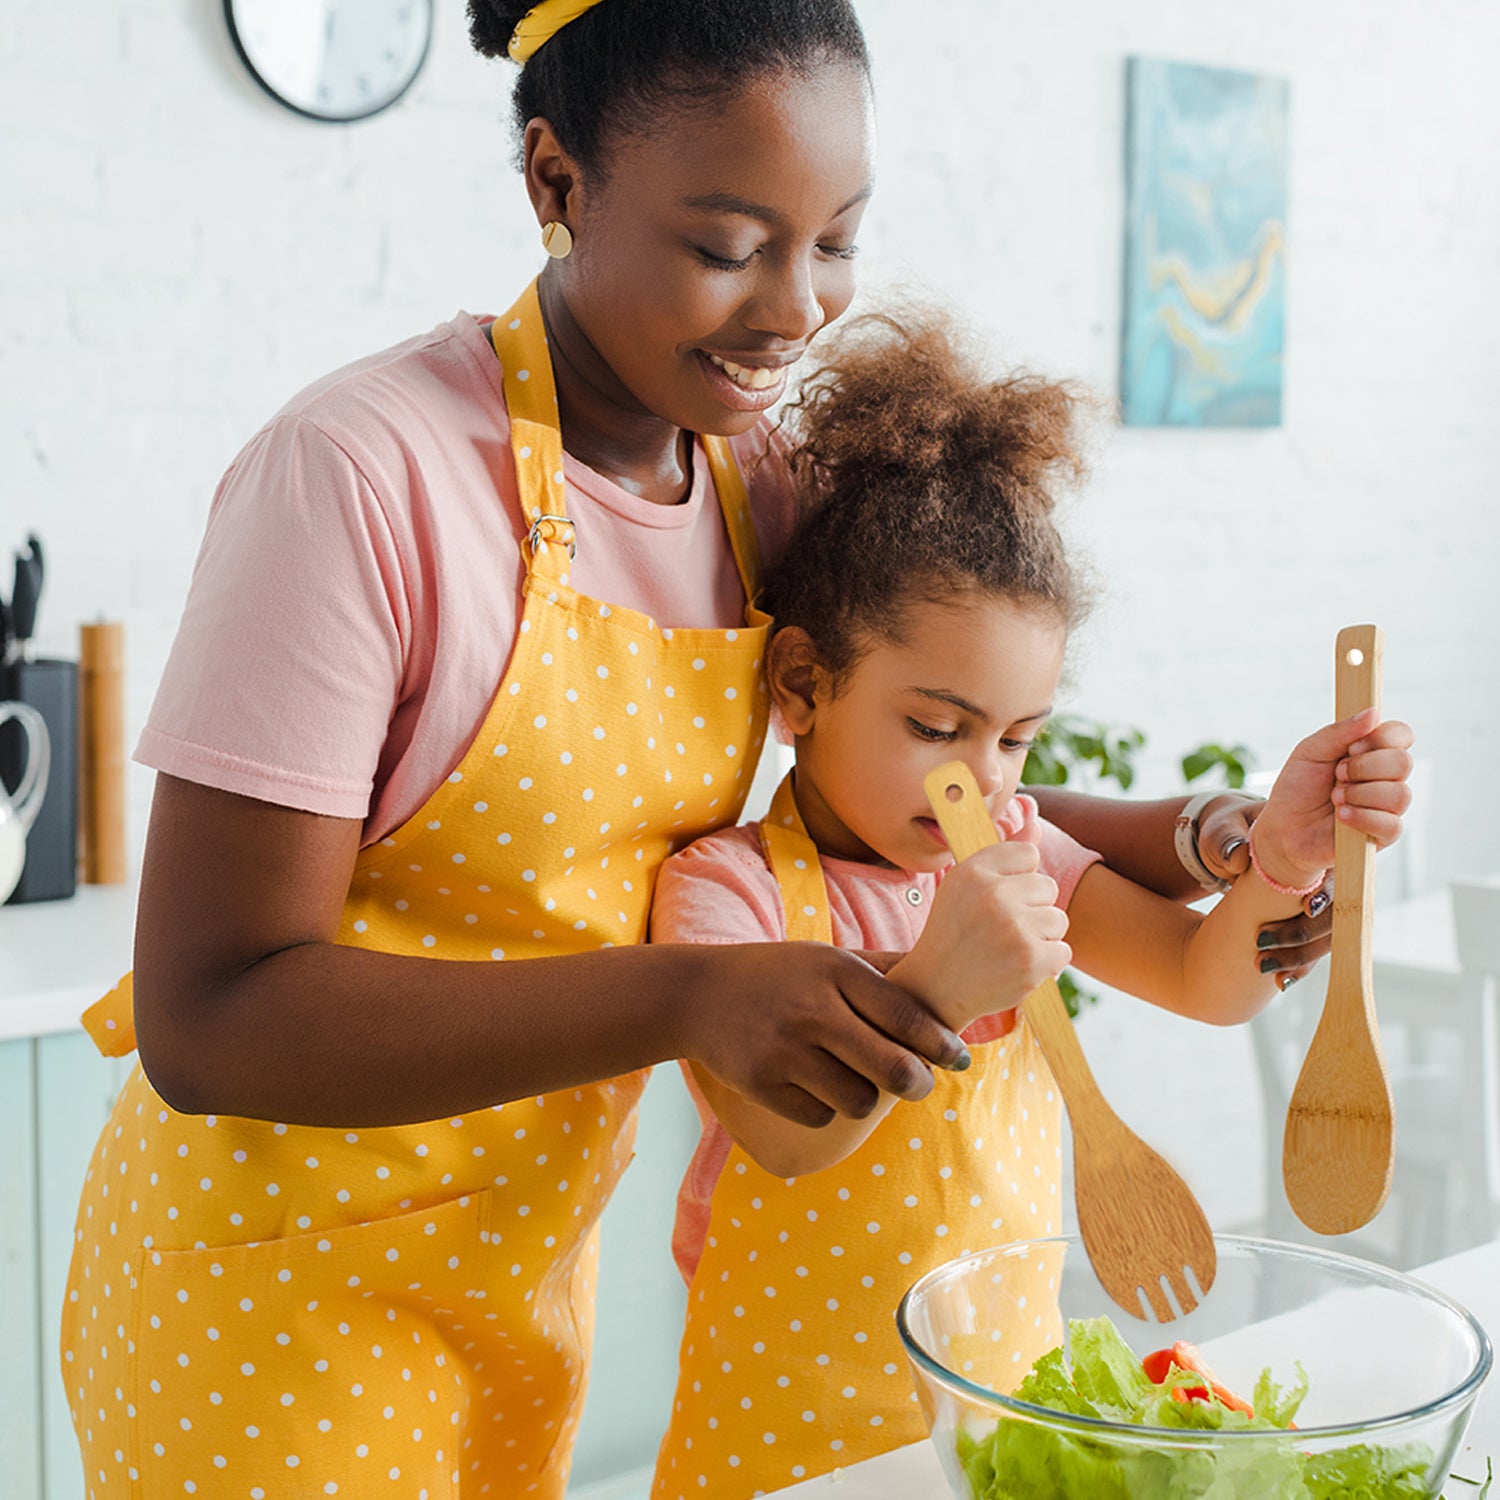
535 539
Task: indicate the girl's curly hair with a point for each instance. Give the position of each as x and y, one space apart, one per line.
923 477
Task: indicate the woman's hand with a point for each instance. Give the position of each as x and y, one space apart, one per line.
1288 949
809 1031
995 932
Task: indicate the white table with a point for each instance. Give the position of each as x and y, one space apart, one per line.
1472 1278
1417 934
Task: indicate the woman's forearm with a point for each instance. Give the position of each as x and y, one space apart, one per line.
321 1034
246 1004
1135 838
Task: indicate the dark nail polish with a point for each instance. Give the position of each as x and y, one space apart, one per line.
1269 965
963 1060
1265 940
1319 904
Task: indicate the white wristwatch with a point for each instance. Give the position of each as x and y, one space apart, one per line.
1185 837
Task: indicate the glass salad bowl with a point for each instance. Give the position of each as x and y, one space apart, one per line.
1302 1374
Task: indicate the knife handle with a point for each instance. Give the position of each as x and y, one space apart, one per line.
23 599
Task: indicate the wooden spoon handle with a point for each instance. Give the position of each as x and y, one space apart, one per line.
1058 1036
959 807
1356 686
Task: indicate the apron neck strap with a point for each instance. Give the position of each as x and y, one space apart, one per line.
734 501
520 340
794 862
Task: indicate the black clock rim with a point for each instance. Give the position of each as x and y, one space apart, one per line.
312 114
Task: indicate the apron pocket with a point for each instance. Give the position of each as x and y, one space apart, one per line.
321 1364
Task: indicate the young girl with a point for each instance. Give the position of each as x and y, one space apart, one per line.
921 612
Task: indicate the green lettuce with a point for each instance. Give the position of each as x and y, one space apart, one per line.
1098 1376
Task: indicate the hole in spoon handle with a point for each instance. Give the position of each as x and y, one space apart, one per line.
1356 676
959 807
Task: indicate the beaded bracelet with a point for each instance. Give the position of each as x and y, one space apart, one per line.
1284 890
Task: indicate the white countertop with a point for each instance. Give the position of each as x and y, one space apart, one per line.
1471 1277
58 957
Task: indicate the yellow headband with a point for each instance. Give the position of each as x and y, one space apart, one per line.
542 22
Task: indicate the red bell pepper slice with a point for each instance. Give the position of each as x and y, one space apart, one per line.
1185 1356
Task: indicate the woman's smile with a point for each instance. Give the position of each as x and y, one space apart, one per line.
745 387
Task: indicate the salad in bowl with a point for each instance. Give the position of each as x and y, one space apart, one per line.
1304 1375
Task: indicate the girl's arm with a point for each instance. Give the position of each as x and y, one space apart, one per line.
782 1147
1209 966
1135 838
246 1005
1136 841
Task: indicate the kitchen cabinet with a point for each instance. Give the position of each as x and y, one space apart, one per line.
55 1094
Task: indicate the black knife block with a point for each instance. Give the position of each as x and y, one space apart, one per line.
51 687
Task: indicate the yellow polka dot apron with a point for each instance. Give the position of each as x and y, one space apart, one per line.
791 1365
264 1311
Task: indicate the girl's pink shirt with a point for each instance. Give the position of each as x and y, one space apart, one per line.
721 890
358 589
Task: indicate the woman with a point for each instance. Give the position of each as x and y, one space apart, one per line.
384 897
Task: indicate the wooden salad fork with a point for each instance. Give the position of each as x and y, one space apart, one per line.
1340 1141
1141 1226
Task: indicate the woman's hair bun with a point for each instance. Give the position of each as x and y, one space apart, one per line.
491 23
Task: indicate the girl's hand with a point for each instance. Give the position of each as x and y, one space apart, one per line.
1352 773
994 934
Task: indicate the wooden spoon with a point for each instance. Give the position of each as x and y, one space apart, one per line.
1340 1140
1139 1221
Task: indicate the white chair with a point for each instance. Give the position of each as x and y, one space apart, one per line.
1438 1034
1476 928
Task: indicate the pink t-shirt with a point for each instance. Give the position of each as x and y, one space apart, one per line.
358 590
721 890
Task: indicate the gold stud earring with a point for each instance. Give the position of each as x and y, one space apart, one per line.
557 239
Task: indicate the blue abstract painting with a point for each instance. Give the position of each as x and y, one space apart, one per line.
1205 247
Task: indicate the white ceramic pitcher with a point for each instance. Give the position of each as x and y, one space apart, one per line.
18 809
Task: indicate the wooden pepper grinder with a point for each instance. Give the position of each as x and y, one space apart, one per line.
101 753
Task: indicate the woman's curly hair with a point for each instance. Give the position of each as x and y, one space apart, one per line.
923 477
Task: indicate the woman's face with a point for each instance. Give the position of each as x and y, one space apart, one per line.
713 249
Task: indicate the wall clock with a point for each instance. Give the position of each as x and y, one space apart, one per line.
332 60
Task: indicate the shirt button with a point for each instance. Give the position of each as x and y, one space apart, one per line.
913 896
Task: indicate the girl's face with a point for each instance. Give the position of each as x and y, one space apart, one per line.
972 681
725 239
